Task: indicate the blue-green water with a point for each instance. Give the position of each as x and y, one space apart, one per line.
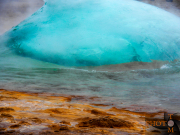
94 33
151 87
78 47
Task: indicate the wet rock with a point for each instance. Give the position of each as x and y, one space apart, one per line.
106 122
57 128
54 110
34 110
64 127
57 111
103 105
10 131
36 120
65 122
2 129
46 133
68 99
84 119
6 109
2 98
24 123
97 112
15 126
5 115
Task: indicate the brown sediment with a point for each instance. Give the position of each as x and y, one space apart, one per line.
15 126
155 64
24 123
65 122
6 109
44 113
7 98
4 115
106 122
57 127
98 112
36 120
2 129
104 105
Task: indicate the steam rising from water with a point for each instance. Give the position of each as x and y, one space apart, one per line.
172 7
12 12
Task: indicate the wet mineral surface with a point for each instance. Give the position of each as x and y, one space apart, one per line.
24 113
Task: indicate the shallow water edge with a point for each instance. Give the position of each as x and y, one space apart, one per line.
45 113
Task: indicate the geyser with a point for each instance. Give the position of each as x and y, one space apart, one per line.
96 32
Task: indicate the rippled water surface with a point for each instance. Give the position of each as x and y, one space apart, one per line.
153 87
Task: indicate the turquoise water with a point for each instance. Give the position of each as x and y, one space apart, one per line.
147 87
78 48
94 33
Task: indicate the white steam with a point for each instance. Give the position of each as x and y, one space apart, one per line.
12 12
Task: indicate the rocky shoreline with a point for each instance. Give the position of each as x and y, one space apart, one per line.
23 113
